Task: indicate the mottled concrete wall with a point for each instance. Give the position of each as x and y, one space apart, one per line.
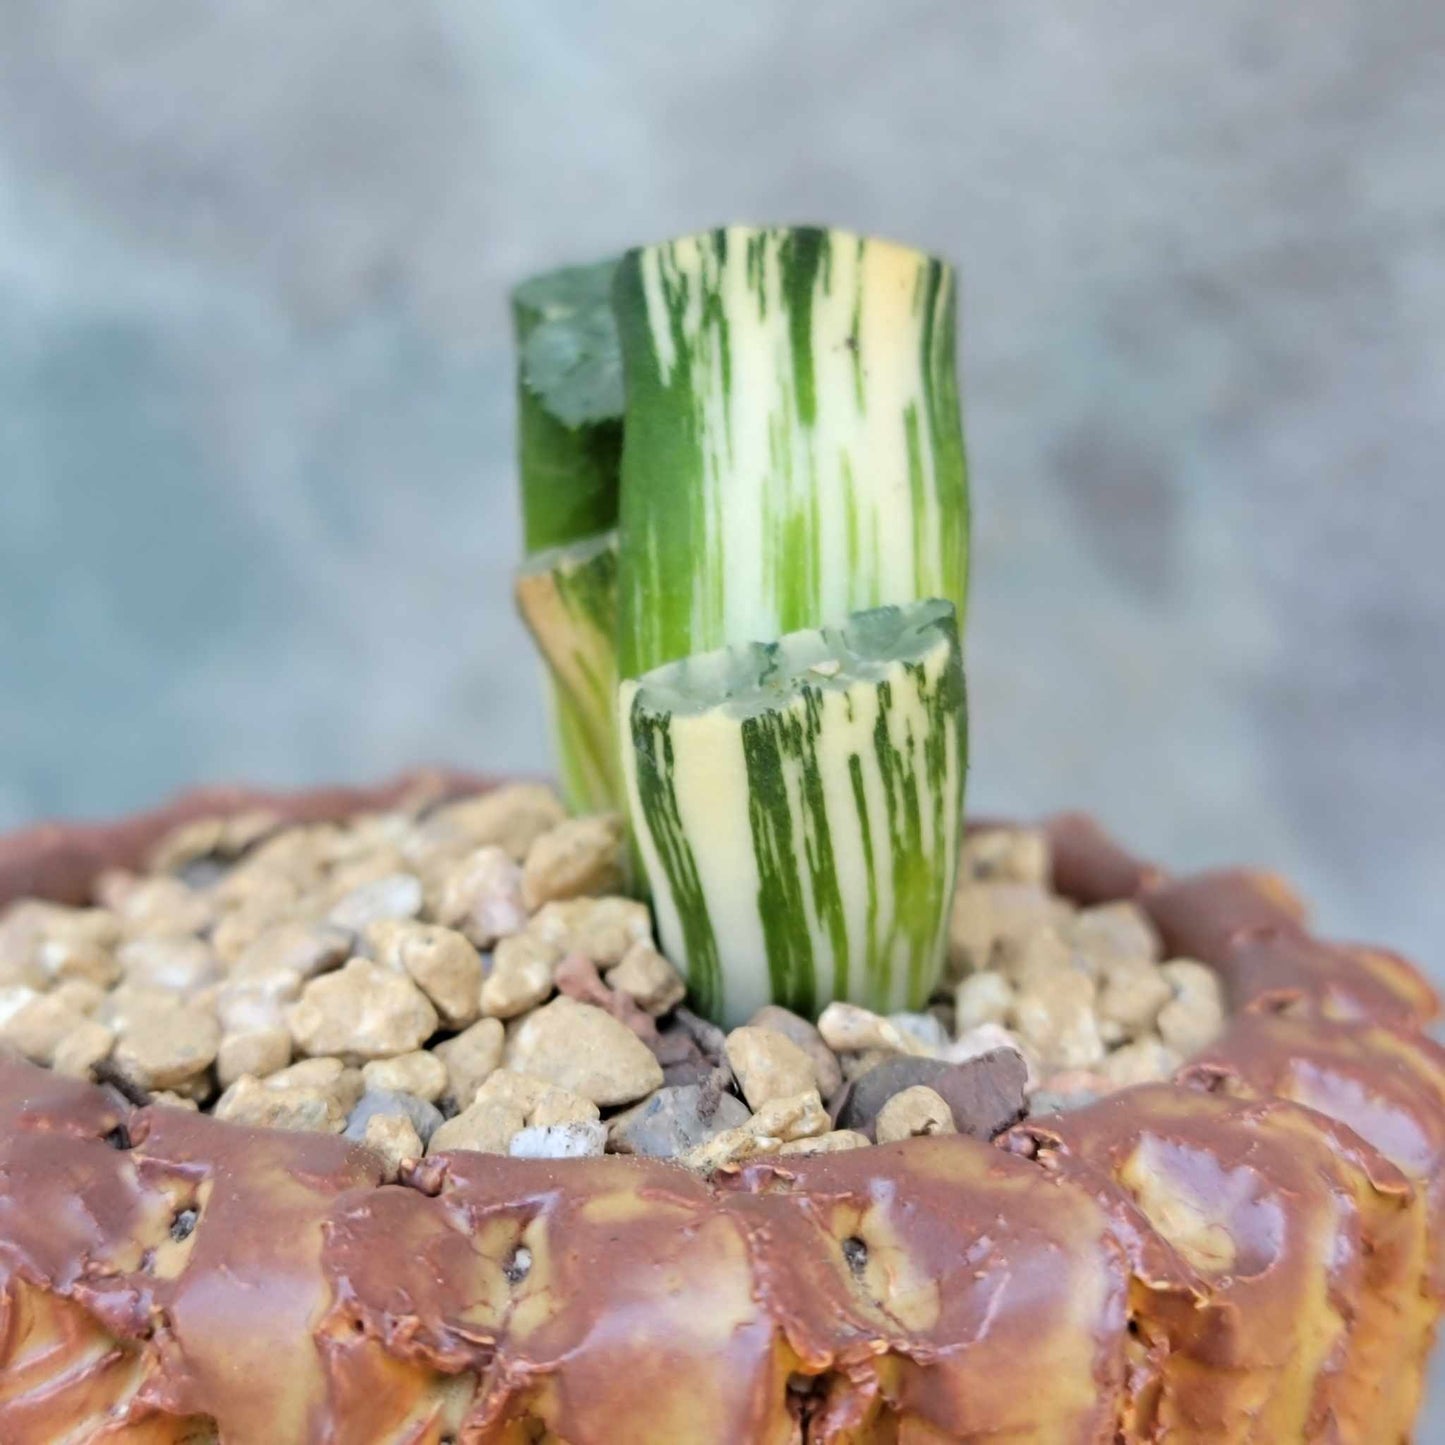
256 498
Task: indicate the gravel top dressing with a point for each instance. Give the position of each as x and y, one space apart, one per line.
468 977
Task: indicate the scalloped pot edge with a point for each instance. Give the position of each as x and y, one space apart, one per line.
1252 1252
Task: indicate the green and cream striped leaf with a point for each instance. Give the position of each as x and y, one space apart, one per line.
797 808
568 599
793 445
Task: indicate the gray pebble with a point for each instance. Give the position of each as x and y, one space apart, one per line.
424 1117
675 1120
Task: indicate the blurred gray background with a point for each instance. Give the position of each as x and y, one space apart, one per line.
257 510
257 506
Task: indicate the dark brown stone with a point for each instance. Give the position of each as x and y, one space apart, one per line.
986 1094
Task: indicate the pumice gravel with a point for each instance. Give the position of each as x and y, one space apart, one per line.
468 977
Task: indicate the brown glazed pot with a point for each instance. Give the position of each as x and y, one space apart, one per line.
1252 1253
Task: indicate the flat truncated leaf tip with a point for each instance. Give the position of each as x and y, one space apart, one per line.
573 366
570 359
797 807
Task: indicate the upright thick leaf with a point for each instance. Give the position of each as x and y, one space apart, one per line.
797 810
793 445
568 599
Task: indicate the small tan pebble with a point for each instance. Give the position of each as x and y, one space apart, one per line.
580 857
395 895
25 925
421 1074
165 905
827 1072
1006 855
22 926
187 843
836 1141
645 975
982 998
333 1077
362 1011
241 927
1114 934
732 1146
506 1103
778 1122
249 1101
66 959
480 895
511 818
767 1065
1056 1021
200 1087
260 1052
577 977
256 1001
1141 1062
521 976
440 961
163 1048
1041 957
301 854
1130 998
584 1049
181 964
76 1055
912 1112
601 929
554 1107
848 1029
165 1099
470 1057
1193 1019
487 1128
80 995
354 871
41 943
99 926
800 1117
305 949
113 886
394 1138
129 1002
367 837
268 884
241 831
22 972
34 1024
987 921
514 1089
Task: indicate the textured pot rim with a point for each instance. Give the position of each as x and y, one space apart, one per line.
1352 1013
